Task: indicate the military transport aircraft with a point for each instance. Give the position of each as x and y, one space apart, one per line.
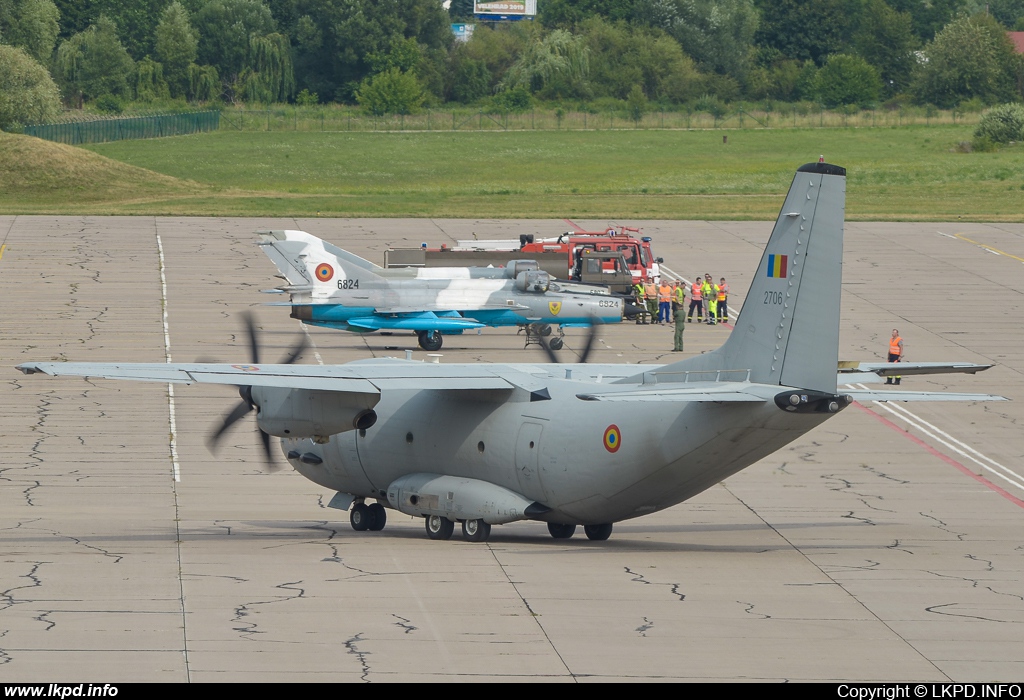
333 288
570 444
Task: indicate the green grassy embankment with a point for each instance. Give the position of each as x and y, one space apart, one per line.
908 173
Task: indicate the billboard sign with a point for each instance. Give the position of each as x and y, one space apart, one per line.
505 9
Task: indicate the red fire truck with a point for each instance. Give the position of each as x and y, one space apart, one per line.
560 256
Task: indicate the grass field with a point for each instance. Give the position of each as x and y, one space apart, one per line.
908 173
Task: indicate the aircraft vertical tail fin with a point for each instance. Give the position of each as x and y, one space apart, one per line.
310 262
788 329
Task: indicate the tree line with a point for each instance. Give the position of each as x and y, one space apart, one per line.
398 56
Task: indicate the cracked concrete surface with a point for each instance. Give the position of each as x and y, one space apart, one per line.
853 554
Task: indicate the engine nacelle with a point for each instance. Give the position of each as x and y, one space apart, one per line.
515 267
533 281
309 413
456 498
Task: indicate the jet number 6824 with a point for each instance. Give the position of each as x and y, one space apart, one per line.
348 284
770 298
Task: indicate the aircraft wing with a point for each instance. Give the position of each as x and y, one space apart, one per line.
361 378
862 396
414 321
710 392
850 372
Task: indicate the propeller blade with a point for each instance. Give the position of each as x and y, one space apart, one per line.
591 337
237 413
265 441
250 326
552 357
292 356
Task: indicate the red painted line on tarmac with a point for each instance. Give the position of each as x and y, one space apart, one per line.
573 224
945 458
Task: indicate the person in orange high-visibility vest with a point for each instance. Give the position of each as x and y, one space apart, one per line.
651 294
696 299
678 298
723 300
895 353
664 302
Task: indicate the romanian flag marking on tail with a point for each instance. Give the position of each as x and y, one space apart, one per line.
778 265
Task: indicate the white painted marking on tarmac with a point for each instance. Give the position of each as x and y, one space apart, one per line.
316 353
958 446
167 356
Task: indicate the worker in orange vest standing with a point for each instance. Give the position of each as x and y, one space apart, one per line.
664 302
651 294
696 299
895 353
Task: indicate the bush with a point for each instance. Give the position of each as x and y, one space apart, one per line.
847 80
517 99
1002 124
109 104
390 92
27 93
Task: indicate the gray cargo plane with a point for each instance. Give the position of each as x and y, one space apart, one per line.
569 444
333 288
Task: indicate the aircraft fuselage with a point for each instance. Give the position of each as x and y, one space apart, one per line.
610 462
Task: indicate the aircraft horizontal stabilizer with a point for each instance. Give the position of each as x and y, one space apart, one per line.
862 396
850 372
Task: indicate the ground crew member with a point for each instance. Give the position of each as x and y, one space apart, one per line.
895 353
651 295
709 291
664 302
678 299
641 297
680 325
723 297
696 299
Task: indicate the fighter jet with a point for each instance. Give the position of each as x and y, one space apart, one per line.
569 444
333 288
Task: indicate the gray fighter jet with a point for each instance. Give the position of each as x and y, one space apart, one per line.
569 444
333 288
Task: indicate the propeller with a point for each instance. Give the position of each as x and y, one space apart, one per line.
591 337
245 392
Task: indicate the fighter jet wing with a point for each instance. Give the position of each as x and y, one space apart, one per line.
850 372
414 321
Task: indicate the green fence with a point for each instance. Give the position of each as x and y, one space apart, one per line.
344 118
102 130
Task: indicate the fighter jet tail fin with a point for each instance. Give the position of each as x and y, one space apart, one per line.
307 261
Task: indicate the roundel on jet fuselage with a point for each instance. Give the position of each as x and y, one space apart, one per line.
324 272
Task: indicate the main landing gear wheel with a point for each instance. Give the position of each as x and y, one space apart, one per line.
360 517
430 340
439 528
598 532
378 517
560 531
476 530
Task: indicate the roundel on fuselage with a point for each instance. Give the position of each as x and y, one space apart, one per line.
324 272
612 438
